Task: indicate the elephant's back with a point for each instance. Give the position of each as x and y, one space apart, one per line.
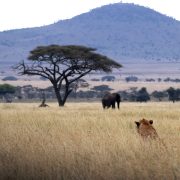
106 97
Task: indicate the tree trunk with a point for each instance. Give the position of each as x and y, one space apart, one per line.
58 96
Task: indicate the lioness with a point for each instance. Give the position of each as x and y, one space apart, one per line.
145 129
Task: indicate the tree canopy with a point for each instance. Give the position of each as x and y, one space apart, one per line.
65 65
7 89
142 95
174 94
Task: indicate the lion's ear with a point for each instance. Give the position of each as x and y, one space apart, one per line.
151 121
137 123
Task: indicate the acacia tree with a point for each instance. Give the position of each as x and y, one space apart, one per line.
174 94
64 65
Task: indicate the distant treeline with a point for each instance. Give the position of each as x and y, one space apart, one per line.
112 78
9 93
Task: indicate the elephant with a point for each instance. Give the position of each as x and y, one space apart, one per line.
110 99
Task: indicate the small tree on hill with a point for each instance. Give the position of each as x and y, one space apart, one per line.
64 65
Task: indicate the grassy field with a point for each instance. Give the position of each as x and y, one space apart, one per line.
82 141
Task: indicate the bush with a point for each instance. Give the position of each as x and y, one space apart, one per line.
7 88
95 79
174 94
108 78
43 78
159 95
10 78
150 80
102 88
142 95
131 78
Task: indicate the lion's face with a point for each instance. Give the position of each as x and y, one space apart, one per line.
144 122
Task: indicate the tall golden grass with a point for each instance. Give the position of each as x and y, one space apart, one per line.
83 141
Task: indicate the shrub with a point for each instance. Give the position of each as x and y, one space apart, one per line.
131 78
142 95
108 78
7 88
10 78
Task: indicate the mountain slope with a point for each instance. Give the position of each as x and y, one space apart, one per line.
121 31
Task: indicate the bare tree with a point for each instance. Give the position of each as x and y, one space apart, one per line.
64 65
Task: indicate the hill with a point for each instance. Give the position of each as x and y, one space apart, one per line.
125 32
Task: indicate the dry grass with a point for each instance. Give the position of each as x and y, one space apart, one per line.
82 141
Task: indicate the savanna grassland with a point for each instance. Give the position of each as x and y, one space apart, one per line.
83 141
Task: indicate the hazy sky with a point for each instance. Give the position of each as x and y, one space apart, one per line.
29 13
